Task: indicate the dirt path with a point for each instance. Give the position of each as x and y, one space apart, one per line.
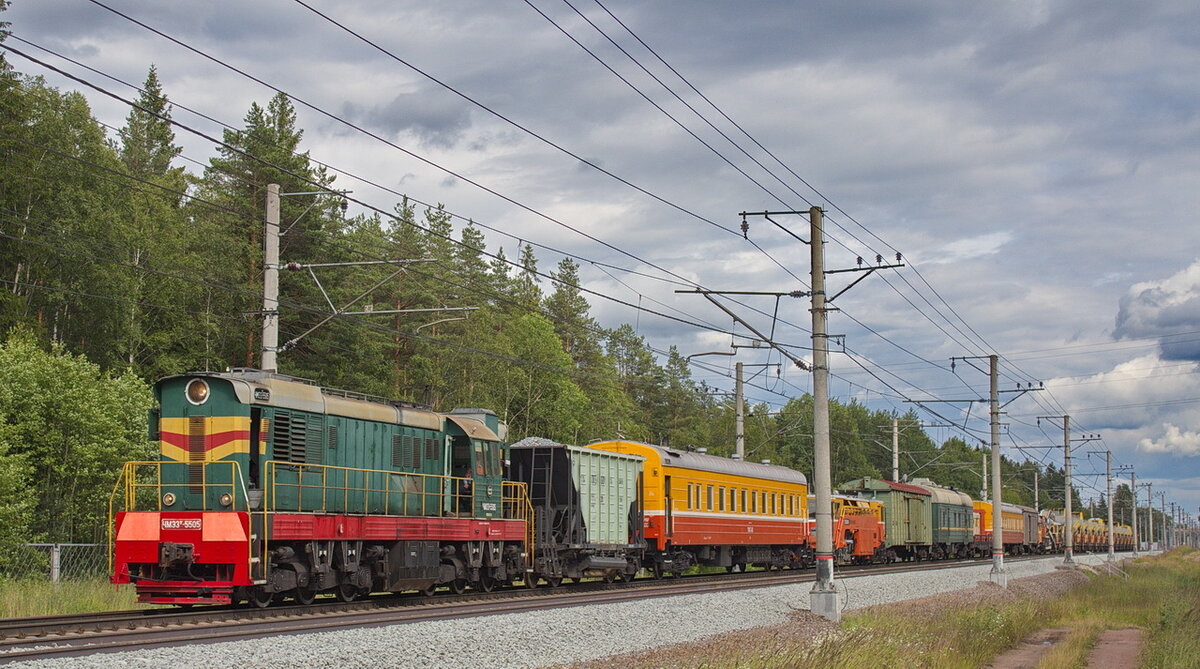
1030 652
1116 649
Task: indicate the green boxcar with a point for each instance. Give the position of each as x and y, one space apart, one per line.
907 513
608 488
953 517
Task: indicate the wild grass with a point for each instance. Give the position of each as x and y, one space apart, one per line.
22 598
1161 596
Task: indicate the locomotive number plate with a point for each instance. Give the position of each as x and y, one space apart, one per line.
181 523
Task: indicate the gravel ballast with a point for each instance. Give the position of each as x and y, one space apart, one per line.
560 636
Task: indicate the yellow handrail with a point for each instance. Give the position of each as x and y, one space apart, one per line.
128 484
335 490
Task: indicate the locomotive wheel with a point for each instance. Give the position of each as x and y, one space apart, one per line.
346 592
554 582
487 583
531 581
429 590
458 586
656 571
305 596
610 576
261 598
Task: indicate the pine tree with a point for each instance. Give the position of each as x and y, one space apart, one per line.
265 152
525 287
147 141
568 310
158 341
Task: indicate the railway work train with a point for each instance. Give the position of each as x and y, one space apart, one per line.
269 487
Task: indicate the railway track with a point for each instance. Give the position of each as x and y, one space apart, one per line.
81 635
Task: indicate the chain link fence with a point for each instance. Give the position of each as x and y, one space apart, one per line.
55 563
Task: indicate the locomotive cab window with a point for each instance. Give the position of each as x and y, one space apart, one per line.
460 455
255 445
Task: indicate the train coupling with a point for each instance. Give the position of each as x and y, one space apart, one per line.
171 554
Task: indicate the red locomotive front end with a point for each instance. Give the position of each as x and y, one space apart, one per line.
167 555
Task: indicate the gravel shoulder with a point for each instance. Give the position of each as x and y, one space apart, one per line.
580 635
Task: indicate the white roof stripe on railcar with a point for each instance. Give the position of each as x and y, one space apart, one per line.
702 462
735 515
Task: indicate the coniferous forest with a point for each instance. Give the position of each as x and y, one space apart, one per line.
121 263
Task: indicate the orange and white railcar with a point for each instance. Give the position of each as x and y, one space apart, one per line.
713 511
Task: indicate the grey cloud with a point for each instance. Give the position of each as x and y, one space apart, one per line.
1165 309
435 121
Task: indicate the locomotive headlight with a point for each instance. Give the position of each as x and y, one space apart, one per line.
226 499
168 499
197 391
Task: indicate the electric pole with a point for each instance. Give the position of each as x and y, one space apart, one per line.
270 327
1137 537
1069 532
1162 498
895 449
998 575
1108 476
823 598
740 427
1174 526
1037 506
984 495
1150 516
1069 520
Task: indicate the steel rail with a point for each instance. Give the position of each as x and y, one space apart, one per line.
53 636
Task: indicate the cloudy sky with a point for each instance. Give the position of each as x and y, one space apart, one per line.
1036 163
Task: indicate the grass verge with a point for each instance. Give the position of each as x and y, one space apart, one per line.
21 598
1161 595
968 629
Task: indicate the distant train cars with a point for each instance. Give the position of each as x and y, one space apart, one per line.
858 530
1089 534
926 521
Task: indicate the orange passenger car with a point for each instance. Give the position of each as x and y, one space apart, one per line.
714 511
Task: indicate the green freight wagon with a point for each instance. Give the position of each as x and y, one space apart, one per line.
586 508
907 514
953 520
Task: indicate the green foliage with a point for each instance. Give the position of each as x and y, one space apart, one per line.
131 274
68 426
